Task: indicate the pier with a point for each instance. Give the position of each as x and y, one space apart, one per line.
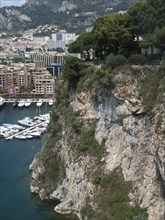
25 130
28 127
11 100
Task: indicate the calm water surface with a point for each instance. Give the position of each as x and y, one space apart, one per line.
16 202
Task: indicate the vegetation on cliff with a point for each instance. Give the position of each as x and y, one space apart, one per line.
112 199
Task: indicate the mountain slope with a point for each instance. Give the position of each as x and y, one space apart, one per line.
71 14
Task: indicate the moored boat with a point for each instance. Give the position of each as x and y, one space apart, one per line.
51 102
39 103
28 102
15 103
2 101
21 103
35 134
29 136
20 136
26 122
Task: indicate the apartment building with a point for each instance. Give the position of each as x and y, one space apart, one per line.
13 77
44 84
42 60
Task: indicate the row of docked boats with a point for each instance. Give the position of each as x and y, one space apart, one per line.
2 101
26 128
28 102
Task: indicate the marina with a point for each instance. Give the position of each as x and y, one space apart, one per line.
28 128
15 157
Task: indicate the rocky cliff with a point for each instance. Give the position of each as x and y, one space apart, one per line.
103 156
72 15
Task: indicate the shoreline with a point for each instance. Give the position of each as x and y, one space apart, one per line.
24 99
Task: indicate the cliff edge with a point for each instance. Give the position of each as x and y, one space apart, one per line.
103 156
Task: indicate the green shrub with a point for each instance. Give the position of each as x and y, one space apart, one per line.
88 213
77 125
88 143
113 199
53 170
162 63
114 61
158 123
154 59
138 59
96 178
151 87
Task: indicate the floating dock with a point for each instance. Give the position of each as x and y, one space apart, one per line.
31 128
23 131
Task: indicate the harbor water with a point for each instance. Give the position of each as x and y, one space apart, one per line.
16 202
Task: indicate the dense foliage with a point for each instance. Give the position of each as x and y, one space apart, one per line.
112 199
142 26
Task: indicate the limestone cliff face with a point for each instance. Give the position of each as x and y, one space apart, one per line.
134 140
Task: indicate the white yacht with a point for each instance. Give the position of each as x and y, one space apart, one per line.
27 135
21 103
13 126
26 122
19 136
28 102
35 133
39 102
51 102
2 101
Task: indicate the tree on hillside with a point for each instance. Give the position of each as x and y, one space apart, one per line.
147 15
136 19
155 39
112 34
148 42
70 68
160 38
83 44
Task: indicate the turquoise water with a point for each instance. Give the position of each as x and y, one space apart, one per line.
16 202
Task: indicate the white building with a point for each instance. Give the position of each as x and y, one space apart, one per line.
61 39
28 35
41 40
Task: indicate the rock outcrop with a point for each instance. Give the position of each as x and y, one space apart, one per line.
134 140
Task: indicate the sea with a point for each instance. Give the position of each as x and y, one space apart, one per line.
16 201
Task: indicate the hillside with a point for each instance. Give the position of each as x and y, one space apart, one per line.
72 15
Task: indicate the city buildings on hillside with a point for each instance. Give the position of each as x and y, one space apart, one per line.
39 53
23 82
20 46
